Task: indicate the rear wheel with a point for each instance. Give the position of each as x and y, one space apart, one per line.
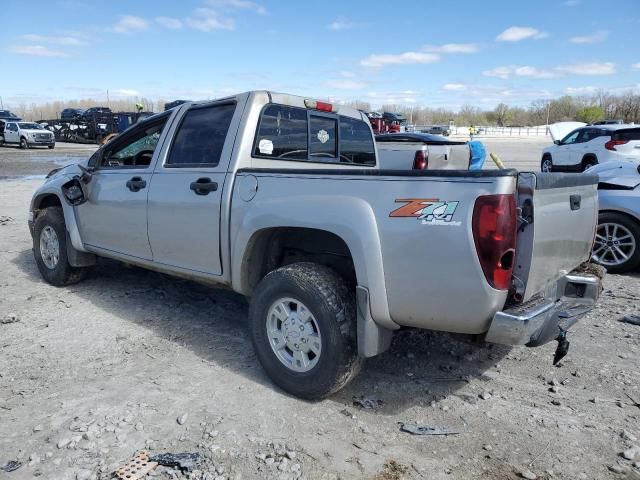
51 147
588 163
617 243
23 143
302 322
546 165
50 249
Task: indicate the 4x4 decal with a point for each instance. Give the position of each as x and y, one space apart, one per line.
431 211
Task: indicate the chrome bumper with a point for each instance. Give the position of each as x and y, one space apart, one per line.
539 321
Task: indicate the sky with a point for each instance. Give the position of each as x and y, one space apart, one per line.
455 53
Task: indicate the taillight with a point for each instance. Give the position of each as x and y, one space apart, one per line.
611 144
420 161
494 233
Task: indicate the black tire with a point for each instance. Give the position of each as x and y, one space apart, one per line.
332 304
634 228
546 164
588 162
51 147
23 143
62 273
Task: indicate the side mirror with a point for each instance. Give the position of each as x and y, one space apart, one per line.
557 142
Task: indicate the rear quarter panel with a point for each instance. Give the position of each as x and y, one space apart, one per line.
419 273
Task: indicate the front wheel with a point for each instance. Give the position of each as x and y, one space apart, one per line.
303 326
51 147
546 165
617 243
50 249
23 143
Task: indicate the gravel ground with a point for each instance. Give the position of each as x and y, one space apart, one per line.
133 360
39 161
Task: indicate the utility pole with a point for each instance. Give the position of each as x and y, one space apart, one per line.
548 108
108 103
1 104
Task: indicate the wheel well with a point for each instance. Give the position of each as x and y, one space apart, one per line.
587 157
624 214
546 155
46 201
273 248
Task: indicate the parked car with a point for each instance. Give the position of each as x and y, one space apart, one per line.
587 145
421 151
26 135
617 242
438 130
283 199
95 112
71 113
9 116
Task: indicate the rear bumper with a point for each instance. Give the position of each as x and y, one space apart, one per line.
539 321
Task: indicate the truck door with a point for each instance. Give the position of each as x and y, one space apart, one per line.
114 217
186 191
11 133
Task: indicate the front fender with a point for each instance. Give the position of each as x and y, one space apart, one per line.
54 187
352 219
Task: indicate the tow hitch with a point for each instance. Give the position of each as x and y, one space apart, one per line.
563 346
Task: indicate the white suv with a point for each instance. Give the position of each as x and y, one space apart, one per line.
589 145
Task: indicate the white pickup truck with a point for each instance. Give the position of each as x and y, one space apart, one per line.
283 199
25 134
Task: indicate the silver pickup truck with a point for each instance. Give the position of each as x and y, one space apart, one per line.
282 199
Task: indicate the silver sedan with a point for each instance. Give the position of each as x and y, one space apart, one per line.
617 242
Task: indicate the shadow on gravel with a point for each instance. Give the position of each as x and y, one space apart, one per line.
420 366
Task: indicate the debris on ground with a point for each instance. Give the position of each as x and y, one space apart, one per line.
367 403
416 429
528 474
392 470
4 220
136 468
183 461
633 319
10 318
11 466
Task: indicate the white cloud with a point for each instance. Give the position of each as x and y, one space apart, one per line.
130 23
346 84
596 37
207 20
405 58
347 74
169 22
516 34
230 5
500 72
636 66
405 96
64 40
533 72
606 68
454 87
452 48
340 23
508 71
572 3
36 51
580 90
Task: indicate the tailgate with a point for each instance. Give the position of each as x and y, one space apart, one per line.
558 216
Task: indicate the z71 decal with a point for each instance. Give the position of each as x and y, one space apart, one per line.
430 211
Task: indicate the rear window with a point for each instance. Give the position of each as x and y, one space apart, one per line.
298 134
628 134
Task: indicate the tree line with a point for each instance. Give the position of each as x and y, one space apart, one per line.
600 106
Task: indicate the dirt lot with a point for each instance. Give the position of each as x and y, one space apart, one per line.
133 360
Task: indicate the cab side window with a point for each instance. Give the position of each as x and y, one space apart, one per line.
135 148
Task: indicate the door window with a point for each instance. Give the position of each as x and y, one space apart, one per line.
571 138
201 136
135 148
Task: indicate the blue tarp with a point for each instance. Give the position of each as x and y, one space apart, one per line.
478 155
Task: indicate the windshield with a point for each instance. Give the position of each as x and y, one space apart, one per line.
30 126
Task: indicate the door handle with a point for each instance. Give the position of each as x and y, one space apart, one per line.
203 186
575 201
136 184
